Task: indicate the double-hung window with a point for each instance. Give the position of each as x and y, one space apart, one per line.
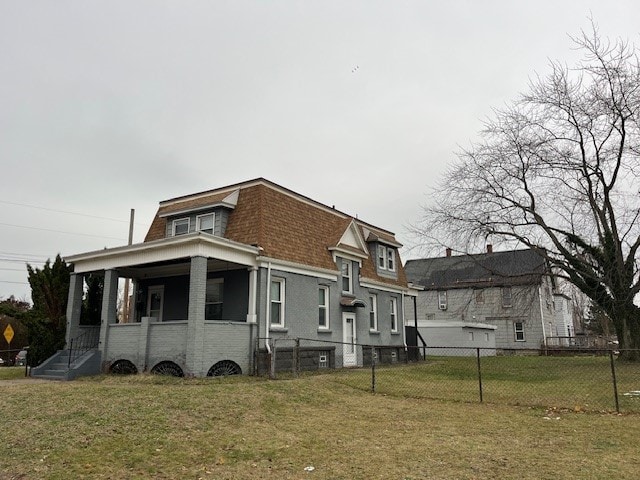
393 306
386 258
518 330
181 226
347 276
323 308
214 299
391 259
373 313
205 223
277 302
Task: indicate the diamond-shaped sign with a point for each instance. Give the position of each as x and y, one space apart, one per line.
8 334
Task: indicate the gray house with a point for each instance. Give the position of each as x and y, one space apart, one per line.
493 300
224 275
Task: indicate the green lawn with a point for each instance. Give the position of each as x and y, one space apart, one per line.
248 428
580 383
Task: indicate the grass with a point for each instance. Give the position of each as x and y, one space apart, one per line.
11 373
247 428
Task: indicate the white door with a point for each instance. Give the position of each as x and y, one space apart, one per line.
349 353
155 301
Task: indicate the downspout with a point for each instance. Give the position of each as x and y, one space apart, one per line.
404 333
544 335
268 311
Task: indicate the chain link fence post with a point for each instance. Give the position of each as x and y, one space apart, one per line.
373 370
272 366
479 373
613 378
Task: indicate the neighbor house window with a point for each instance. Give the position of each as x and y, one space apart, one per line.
506 296
373 313
442 300
323 307
277 302
181 226
393 306
518 329
347 276
214 299
205 223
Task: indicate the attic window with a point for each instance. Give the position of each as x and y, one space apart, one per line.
205 223
386 258
181 226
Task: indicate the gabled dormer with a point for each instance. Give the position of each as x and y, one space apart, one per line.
208 217
351 245
384 250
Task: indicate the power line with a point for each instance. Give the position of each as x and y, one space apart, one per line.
64 211
61 231
20 283
2 269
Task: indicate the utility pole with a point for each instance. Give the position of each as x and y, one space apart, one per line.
126 306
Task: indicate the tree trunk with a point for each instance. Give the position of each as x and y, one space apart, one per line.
627 323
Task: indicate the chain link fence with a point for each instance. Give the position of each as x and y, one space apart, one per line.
576 379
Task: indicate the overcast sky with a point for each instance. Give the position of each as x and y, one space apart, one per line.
111 105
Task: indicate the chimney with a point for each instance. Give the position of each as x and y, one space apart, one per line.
448 251
489 248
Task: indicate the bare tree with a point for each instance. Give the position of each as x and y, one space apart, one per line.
557 170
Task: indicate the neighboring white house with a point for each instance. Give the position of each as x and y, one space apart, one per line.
493 300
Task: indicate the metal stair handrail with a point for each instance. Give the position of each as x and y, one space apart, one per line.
81 344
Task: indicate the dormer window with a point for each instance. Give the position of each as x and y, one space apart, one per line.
205 223
347 276
181 226
386 258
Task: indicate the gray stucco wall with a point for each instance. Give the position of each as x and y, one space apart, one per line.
301 312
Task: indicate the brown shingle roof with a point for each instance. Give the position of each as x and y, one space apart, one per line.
287 226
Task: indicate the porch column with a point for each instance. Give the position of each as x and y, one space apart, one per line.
74 306
195 327
109 313
253 289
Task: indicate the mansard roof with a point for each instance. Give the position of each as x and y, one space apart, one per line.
285 225
513 267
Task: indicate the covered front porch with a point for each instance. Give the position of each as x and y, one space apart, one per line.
192 309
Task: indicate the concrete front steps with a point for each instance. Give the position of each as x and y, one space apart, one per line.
57 367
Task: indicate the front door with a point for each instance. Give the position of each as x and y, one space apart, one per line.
349 355
154 302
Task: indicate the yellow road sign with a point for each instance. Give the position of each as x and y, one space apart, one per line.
8 334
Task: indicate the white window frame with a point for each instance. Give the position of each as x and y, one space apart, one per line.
348 276
180 221
507 300
324 307
391 259
393 314
281 286
517 330
199 222
373 312
382 257
386 258
442 299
